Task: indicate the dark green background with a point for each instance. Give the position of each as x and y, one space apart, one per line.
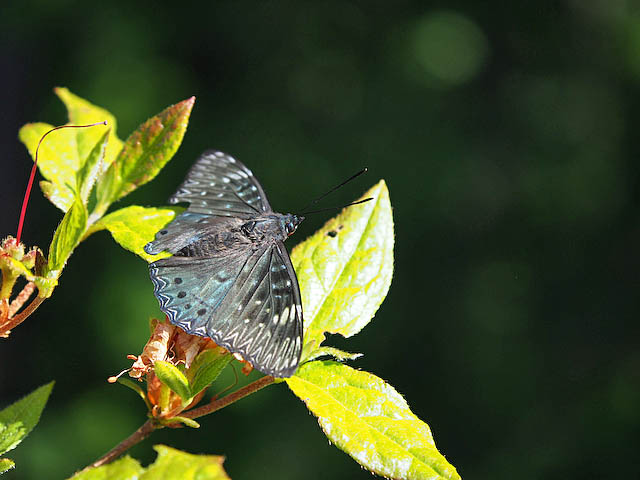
508 136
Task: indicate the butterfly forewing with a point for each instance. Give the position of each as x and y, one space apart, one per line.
218 184
242 292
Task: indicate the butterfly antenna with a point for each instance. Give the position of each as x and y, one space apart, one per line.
343 206
364 170
27 194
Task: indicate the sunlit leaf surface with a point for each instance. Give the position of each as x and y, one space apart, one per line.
145 152
370 421
133 227
87 174
171 464
67 235
18 419
125 468
82 112
345 268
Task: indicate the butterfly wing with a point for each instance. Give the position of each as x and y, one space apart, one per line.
188 228
187 288
265 306
246 302
218 184
245 298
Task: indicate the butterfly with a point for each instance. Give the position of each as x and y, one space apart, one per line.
230 277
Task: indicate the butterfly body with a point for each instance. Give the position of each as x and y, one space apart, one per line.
230 277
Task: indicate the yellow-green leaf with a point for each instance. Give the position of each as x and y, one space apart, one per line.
11 435
206 367
171 464
336 353
67 236
57 160
125 468
133 227
370 421
19 418
60 195
144 153
81 112
64 152
174 464
6 464
345 268
173 378
87 174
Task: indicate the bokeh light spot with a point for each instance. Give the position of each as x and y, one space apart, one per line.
449 47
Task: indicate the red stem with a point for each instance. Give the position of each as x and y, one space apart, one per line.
27 194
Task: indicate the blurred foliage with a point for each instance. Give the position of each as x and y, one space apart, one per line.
171 463
506 134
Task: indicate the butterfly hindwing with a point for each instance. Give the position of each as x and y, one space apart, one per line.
265 305
249 304
189 288
218 184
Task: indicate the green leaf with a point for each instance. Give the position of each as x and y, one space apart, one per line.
88 173
174 464
336 353
64 152
144 153
57 160
11 435
19 418
125 468
81 112
6 465
67 236
173 378
171 464
133 227
370 421
345 268
60 195
189 422
206 367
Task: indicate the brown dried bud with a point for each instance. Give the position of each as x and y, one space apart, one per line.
170 344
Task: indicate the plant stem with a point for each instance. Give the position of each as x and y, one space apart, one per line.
21 317
229 399
21 298
136 437
150 425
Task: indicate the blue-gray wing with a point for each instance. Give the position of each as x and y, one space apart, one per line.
218 184
246 302
189 228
